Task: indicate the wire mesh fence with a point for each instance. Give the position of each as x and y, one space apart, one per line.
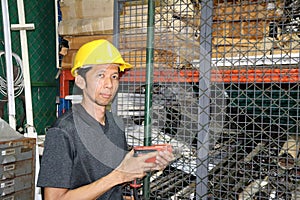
225 91
42 63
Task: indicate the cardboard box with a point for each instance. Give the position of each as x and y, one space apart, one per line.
135 10
93 26
161 58
184 47
75 42
131 22
67 60
86 9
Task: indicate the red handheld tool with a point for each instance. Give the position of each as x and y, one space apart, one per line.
140 150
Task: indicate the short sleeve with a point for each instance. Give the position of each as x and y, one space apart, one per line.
56 162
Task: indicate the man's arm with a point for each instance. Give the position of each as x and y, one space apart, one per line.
90 191
130 168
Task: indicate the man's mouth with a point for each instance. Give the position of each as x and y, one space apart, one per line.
106 95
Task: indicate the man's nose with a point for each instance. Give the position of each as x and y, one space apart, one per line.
108 82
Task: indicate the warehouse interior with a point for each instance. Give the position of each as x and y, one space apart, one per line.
218 80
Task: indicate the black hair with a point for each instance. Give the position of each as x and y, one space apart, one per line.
82 72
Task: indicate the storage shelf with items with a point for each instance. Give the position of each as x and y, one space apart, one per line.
263 75
64 90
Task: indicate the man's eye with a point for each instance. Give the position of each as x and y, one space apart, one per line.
100 75
115 77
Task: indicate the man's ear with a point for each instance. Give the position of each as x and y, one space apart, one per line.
80 82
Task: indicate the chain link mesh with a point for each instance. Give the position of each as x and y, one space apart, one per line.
42 62
225 91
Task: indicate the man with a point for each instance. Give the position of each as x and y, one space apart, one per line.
85 155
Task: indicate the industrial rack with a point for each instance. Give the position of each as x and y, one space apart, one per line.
263 75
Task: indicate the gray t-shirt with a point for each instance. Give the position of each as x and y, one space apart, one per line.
78 152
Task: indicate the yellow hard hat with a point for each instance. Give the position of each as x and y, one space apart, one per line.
98 52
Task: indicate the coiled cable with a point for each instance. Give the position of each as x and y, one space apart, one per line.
17 74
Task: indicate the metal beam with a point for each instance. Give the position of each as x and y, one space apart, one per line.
204 99
9 65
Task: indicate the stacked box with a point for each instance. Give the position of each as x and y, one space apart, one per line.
83 21
87 17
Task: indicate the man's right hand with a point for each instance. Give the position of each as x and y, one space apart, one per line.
136 167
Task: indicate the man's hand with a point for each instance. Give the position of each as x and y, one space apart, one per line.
163 159
135 167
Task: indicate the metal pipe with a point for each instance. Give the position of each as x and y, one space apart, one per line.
26 72
22 27
163 181
116 22
9 65
204 99
186 193
149 88
116 35
26 27
173 185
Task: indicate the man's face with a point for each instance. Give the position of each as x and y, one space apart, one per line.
101 84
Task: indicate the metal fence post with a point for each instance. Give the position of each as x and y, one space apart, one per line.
204 99
9 65
149 85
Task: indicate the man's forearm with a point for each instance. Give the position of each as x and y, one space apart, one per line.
87 192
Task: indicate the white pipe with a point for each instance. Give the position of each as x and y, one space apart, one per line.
17 27
56 34
9 66
27 87
26 72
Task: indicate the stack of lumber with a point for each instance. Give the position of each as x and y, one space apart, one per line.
238 28
242 29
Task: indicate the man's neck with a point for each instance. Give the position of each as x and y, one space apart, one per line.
96 111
